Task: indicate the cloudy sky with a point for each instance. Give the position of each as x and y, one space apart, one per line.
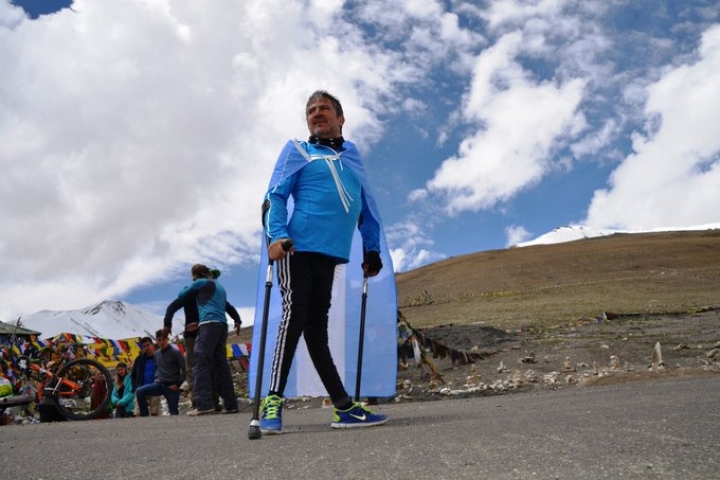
138 137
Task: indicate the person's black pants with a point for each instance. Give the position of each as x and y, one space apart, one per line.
305 280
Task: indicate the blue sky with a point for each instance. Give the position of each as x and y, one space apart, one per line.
138 137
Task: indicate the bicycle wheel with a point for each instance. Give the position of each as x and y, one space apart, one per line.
81 389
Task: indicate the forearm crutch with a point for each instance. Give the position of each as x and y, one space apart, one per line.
361 341
255 432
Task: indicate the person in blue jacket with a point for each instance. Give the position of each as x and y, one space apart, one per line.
123 397
211 343
326 180
143 373
169 375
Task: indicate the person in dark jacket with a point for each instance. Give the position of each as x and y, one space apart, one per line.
143 373
169 376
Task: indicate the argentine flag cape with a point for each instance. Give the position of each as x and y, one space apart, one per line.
379 366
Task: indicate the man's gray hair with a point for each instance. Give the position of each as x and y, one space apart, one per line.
318 94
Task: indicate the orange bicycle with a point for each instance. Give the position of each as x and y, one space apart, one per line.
80 388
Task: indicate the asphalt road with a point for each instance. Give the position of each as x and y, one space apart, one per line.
665 429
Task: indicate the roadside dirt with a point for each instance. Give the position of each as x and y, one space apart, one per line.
576 355
619 348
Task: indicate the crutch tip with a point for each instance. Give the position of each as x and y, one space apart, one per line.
254 433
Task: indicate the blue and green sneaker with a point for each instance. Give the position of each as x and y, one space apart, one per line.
271 415
357 416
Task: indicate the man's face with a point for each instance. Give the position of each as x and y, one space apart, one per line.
322 119
148 348
163 342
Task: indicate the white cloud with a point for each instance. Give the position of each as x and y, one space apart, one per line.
515 234
413 243
429 9
10 16
595 140
517 12
404 260
138 138
417 194
428 34
521 123
520 119
672 178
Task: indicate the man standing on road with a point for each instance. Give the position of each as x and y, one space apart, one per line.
325 177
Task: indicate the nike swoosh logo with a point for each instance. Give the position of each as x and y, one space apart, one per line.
359 417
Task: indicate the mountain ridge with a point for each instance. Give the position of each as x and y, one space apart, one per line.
106 319
571 233
561 279
557 283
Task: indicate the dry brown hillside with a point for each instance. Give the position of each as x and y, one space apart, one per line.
551 284
562 288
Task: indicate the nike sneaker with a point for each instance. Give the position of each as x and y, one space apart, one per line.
271 415
357 416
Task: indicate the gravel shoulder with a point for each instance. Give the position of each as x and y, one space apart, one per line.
583 354
599 351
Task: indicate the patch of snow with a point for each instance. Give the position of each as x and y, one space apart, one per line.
567 234
107 319
579 232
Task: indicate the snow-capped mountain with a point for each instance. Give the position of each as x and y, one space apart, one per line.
567 234
107 319
579 232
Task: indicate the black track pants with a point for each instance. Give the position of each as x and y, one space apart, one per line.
305 280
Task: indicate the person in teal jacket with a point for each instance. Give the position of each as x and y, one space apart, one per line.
211 366
123 397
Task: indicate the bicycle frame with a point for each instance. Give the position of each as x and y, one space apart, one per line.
72 390
45 376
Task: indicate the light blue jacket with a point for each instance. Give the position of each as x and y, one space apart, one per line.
329 195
